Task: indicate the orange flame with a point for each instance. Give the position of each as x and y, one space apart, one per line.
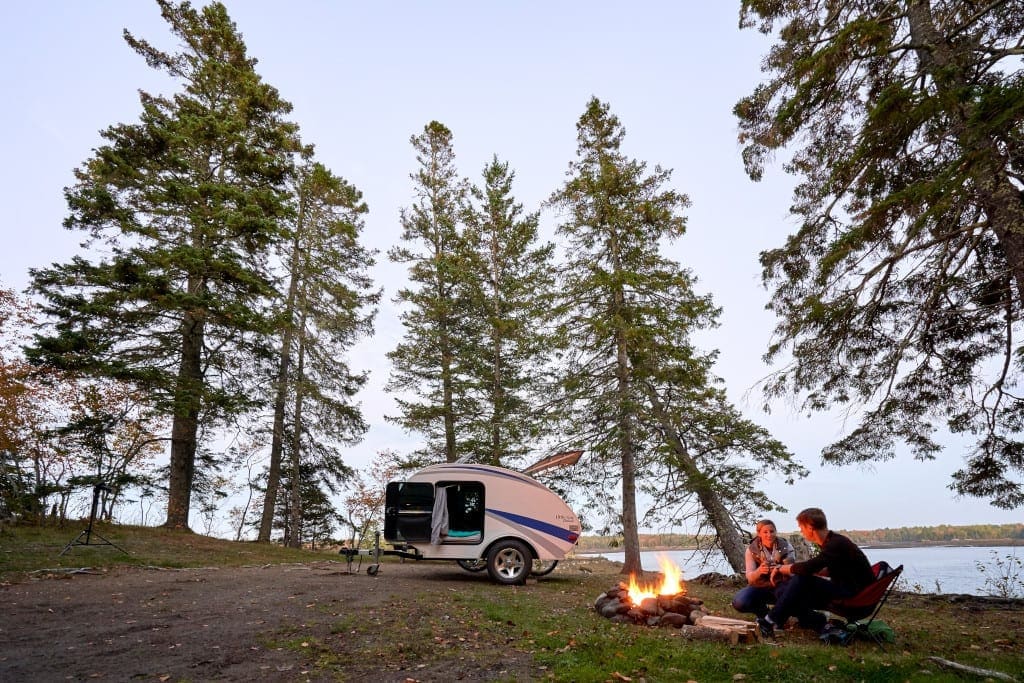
671 583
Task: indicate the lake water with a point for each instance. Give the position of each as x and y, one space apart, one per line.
926 569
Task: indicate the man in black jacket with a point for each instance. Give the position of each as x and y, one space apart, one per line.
847 568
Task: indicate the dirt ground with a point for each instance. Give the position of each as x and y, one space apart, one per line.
223 624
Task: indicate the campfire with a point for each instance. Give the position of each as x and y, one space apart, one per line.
663 603
667 604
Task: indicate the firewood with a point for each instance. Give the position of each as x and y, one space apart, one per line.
716 635
740 631
726 621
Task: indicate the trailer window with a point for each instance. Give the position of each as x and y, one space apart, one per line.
415 497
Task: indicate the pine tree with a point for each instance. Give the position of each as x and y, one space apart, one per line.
615 219
641 394
425 364
181 209
508 287
328 307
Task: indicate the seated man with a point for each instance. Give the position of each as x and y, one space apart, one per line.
763 554
846 566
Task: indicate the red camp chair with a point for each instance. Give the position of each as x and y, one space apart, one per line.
868 602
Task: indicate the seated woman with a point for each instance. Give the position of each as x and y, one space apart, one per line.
764 553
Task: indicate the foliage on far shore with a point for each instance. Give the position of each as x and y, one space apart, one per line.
1011 534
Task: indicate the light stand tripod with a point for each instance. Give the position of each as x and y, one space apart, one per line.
88 533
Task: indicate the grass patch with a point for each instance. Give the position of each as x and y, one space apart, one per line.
26 549
552 622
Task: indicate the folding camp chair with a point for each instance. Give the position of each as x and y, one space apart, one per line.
861 609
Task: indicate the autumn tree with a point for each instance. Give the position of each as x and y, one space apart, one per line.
425 374
508 288
112 440
181 209
900 293
363 504
59 433
23 413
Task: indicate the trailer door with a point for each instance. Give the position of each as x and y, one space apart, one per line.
408 506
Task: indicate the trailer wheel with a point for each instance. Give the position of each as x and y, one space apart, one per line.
509 561
373 569
477 565
543 567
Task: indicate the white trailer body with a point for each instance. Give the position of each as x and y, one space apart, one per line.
481 516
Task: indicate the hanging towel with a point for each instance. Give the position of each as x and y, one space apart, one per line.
439 516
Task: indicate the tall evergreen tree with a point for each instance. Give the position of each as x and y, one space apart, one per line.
508 289
425 365
642 394
182 208
329 306
617 215
901 291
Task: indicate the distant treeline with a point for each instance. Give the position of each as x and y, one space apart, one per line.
906 534
974 532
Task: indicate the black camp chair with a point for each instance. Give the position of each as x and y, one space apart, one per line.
861 609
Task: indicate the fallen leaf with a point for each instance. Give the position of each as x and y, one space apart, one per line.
619 677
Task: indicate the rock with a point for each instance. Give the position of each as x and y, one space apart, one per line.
611 608
673 619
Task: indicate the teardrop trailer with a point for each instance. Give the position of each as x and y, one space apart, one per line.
480 516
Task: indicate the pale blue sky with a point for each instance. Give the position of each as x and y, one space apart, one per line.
509 79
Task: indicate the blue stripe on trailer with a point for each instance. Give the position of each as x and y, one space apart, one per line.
531 523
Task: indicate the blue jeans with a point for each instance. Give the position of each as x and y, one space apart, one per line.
755 600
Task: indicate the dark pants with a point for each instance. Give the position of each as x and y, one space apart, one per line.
801 596
755 600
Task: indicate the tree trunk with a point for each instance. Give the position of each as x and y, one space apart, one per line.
277 438
447 398
630 527
276 441
728 536
295 509
185 425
